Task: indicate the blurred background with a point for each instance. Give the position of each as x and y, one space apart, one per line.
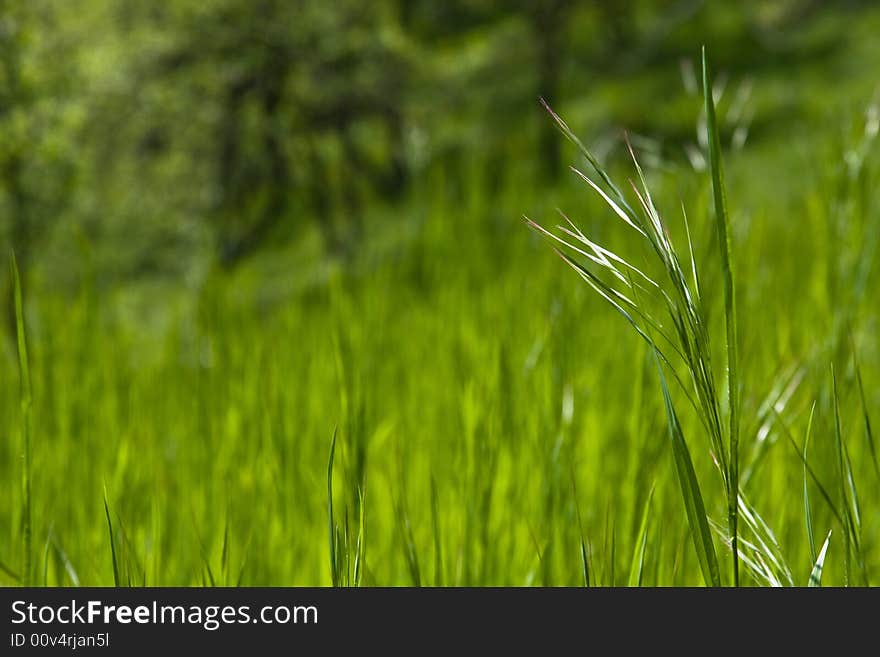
158 145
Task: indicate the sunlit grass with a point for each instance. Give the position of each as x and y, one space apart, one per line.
459 411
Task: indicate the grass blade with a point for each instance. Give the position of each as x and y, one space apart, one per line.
816 573
763 545
816 481
693 259
65 561
334 574
869 434
848 524
224 550
638 559
438 539
849 498
204 553
722 223
116 579
690 490
410 553
46 550
808 511
585 562
573 138
26 399
361 547
11 574
585 559
614 206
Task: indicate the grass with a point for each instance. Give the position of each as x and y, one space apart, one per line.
26 398
455 410
691 343
722 223
682 342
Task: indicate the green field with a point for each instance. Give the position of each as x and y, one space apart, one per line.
452 404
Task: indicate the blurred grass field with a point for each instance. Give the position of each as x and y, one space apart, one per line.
495 422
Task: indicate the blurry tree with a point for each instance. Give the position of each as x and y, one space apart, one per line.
547 20
294 87
157 133
37 124
36 153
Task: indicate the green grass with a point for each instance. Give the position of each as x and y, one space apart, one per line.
457 409
27 560
684 335
722 223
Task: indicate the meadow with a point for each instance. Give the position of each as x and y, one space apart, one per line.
457 407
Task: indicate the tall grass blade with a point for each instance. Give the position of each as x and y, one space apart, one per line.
808 511
204 553
46 549
848 524
116 579
613 558
585 558
690 491
573 138
334 570
65 562
869 434
826 496
11 574
816 573
26 401
409 545
438 539
722 223
638 558
224 550
585 562
763 546
693 259
848 492
361 547
853 492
